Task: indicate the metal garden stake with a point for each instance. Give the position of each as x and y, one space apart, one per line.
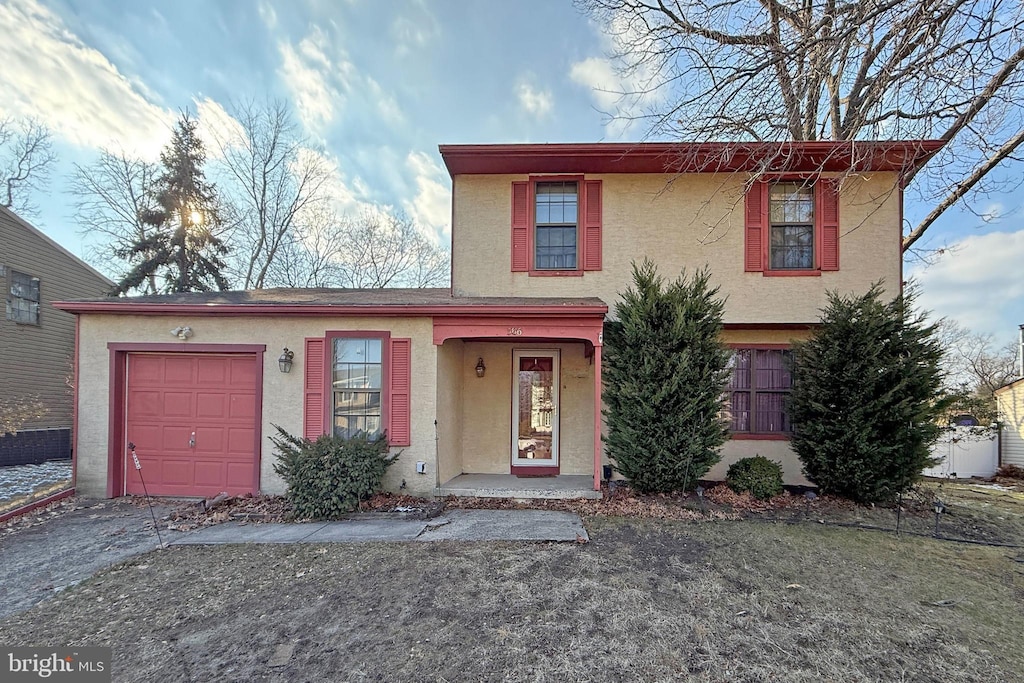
138 468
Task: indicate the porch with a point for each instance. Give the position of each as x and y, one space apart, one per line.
519 403
561 487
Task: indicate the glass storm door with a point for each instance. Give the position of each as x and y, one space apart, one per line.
535 409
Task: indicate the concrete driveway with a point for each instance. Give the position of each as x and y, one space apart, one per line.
47 553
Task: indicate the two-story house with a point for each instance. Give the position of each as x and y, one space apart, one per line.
494 386
38 341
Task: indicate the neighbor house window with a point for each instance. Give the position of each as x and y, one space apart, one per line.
23 302
357 378
791 231
759 391
555 240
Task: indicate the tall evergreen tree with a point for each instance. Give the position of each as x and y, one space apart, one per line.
182 250
867 390
665 369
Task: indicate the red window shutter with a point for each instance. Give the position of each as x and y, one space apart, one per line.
315 393
592 226
520 227
828 222
399 390
755 227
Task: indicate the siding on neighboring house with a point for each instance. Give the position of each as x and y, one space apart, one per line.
37 359
1010 401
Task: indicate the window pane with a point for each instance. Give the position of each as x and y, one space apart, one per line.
358 378
739 411
771 413
740 364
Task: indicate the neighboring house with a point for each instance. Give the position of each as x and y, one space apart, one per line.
501 375
1010 405
38 341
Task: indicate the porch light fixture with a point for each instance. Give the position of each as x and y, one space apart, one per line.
284 363
480 367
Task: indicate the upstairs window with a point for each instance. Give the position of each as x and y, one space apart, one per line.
557 215
791 231
758 393
23 302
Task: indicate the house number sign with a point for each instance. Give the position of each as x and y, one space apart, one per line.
515 331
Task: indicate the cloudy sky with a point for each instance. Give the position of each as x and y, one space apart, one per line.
379 84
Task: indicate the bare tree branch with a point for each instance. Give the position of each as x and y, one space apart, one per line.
775 70
26 160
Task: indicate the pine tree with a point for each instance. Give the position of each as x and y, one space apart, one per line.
665 369
866 394
182 250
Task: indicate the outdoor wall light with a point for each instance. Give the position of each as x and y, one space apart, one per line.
480 367
182 332
284 363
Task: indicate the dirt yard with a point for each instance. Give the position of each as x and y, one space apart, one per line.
651 600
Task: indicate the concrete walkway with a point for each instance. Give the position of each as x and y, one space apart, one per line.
454 525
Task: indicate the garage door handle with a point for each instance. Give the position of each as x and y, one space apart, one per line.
192 441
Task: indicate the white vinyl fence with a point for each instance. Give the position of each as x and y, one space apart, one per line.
966 452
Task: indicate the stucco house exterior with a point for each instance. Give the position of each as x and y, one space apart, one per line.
496 382
38 341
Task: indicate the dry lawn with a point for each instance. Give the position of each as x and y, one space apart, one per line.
648 600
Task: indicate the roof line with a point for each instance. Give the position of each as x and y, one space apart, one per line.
31 228
121 307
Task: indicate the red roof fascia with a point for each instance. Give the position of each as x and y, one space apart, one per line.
236 310
710 157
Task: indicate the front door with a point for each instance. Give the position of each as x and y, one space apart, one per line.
535 412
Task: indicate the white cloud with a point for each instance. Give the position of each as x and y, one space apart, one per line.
268 14
537 103
305 70
977 282
216 126
323 79
51 74
415 30
599 75
384 102
624 95
432 205
347 196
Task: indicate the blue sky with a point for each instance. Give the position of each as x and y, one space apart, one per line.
379 84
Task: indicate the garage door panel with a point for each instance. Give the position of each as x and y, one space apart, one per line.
179 370
243 372
147 369
210 473
146 402
209 440
242 407
210 405
146 437
178 404
172 396
211 371
174 472
239 475
240 440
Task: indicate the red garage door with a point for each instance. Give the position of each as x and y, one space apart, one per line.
193 421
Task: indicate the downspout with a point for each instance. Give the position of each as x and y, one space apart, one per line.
1020 352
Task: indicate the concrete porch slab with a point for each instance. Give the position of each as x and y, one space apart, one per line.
564 486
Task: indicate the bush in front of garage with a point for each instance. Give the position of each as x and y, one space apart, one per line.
327 477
